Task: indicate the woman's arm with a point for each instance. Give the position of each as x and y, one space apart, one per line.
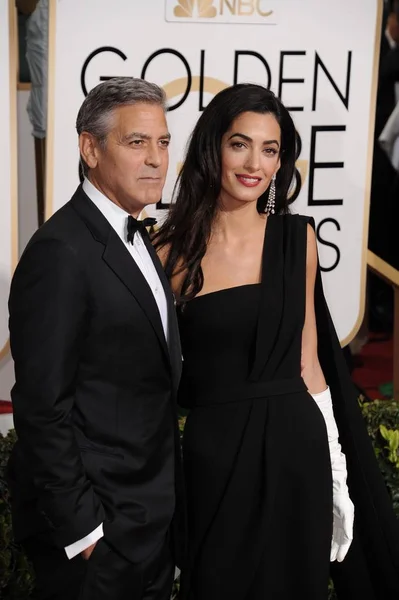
310 366
343 509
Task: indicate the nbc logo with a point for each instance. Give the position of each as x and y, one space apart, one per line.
202 9
219 11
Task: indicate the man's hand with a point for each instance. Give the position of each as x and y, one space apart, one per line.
87 552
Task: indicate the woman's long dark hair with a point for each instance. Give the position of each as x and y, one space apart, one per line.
187 228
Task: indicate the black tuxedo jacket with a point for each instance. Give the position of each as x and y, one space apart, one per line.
383 199
96 381
388 77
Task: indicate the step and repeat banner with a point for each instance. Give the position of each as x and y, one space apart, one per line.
320 57
8 178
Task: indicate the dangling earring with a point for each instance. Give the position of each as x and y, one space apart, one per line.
271 202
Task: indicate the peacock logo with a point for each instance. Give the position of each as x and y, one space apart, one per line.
202 9
219 11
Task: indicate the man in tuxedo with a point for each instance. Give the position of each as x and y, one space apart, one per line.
388 72
95 475
383 200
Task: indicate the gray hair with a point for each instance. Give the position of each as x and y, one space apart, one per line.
95 114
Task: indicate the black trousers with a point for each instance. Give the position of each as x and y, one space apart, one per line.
107 575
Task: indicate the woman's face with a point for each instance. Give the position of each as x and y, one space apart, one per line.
250 157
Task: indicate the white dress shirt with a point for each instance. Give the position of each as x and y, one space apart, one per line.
389 138
117 218
390 40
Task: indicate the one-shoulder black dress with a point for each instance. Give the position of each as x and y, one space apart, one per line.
255 447
255 450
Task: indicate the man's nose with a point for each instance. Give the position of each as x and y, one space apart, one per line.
153 158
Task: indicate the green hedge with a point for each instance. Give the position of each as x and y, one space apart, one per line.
16 578
382 420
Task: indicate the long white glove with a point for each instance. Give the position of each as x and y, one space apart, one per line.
343 509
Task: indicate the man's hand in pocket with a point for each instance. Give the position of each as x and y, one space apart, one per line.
87 552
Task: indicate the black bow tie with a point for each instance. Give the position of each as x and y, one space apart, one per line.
134 225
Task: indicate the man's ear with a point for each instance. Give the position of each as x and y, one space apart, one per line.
88 147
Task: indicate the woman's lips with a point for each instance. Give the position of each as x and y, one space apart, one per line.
248 181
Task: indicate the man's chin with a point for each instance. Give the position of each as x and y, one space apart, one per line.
152 198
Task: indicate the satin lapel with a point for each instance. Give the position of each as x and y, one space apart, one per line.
173 330
272 294
120 261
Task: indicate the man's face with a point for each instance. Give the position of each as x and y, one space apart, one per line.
393 23
131 168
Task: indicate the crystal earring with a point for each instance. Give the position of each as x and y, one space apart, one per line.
271 202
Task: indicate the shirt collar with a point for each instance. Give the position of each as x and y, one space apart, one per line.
115 215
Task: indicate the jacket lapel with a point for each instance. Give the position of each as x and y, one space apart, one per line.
120 261
173 329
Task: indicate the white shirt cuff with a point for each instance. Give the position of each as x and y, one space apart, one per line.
77 547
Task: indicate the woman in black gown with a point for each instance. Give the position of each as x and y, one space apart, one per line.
268 503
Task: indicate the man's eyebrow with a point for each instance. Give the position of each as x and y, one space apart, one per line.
144 136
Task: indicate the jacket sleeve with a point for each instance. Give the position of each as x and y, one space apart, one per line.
48 321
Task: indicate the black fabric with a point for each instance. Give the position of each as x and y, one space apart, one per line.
95 394
375 555
383 199
257 460
258 470
105 575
